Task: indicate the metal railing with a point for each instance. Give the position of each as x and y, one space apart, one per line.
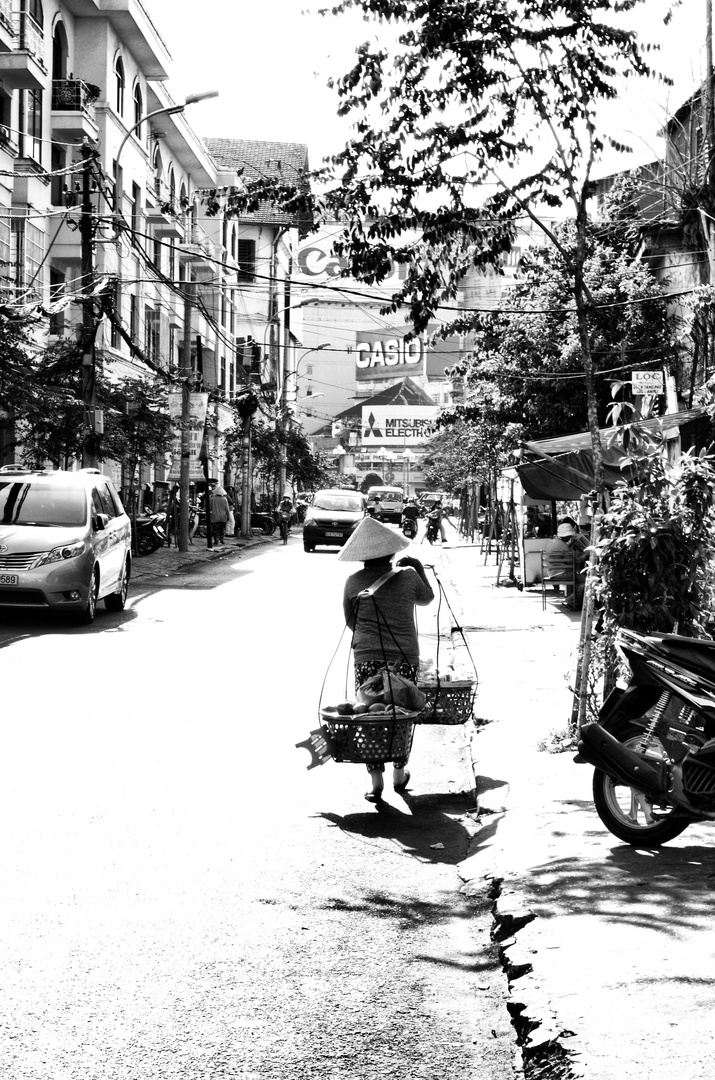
6 14
73 95
31 36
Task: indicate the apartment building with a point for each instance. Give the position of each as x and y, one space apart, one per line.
90 75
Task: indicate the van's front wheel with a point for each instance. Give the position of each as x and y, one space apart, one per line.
90 608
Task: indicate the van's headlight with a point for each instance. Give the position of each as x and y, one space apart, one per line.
72 550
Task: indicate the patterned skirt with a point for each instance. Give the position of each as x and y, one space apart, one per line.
365 670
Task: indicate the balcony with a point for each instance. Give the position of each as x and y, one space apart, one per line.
73 109
166 219
23 66
7 34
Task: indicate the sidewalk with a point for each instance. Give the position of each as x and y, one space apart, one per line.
604 945
169 560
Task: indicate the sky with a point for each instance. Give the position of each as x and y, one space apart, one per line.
270 63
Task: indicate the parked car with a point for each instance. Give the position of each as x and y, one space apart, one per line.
331 517
392 502
65 541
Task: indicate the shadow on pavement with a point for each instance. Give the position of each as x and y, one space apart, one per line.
430 832
668 890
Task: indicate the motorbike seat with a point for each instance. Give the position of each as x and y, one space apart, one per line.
691 653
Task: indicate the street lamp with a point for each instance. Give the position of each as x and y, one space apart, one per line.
167 110
407 459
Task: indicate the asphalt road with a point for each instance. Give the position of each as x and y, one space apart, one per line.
182 898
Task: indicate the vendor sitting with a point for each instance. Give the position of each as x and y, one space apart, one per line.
567 543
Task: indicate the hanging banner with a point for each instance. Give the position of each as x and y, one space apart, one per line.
198 408
398 424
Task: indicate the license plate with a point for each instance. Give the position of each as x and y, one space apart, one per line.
9 579
333 534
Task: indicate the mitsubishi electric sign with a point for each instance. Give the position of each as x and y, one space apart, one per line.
398 424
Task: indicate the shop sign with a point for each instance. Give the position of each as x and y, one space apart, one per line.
398 425
647 382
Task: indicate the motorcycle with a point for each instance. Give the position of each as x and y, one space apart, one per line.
409 527
148 532
653 746
432 532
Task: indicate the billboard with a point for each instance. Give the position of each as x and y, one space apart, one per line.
397 425
384 354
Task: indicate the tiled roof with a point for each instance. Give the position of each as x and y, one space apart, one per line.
255 159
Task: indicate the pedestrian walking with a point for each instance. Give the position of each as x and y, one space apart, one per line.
384 630
219 515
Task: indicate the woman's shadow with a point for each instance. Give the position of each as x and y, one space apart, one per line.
431 829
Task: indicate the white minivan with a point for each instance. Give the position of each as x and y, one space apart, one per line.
391 502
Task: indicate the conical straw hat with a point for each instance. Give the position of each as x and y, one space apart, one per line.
372 540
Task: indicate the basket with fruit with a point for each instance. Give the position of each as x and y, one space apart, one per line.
358 732
447 702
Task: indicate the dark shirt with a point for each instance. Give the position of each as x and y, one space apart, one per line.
395 638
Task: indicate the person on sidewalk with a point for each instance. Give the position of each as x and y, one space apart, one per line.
384 630
219 515
568 541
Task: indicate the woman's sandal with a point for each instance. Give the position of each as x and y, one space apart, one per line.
405 782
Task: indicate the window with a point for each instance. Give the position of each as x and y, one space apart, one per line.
58 158
152 343
138 107
222 376
172 190
119 85
246 260
133 318
32 138
136 206
157 253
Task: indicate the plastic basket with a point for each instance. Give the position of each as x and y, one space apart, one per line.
361 738
447 702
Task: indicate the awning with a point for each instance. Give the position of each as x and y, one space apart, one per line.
562 469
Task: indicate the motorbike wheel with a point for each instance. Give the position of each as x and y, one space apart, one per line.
147 543
628 814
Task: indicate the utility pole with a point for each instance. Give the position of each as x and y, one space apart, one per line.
186 376
90 440
709 109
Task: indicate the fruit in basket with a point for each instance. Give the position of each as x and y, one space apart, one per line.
345 708
378 707
360 708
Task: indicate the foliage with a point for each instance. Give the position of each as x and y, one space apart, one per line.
304 470
470 449
372 479
136 421
49 421
528 359
656 549
481 112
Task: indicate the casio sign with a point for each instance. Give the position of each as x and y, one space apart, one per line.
390 353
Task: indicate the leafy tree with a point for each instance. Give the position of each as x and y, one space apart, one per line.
656 550
479 113
529 358
464 452
136 422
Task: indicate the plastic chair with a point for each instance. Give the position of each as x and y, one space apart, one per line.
557 568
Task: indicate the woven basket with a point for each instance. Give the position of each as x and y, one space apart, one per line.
361 738
447 702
